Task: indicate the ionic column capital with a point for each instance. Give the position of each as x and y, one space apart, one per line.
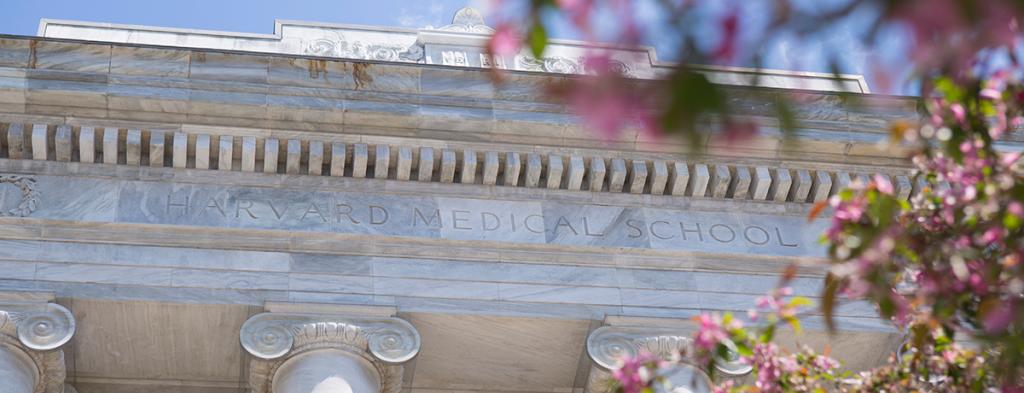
606 345
37 331
273 338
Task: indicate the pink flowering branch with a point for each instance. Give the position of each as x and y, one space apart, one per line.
944 266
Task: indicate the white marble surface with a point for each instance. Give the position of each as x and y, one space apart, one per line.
447 218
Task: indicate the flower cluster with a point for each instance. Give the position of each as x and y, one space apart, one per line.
945 265
950 256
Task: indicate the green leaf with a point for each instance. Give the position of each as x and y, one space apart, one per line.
692 96
538 37
743 349
886 307
828 301
787 119
1011 221
800 301
949 89
794 323
767 334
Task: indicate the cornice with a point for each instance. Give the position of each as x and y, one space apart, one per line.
462 43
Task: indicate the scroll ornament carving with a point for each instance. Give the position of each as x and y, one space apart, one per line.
38 331
468 20
29 195
274 338
617 67
564 65
555 64
338 46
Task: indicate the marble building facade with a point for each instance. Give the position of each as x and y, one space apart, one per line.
352 208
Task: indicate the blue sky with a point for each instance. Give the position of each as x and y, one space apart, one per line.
257 16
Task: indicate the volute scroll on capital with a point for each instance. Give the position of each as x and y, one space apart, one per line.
274 338
37 331
606 345
272 335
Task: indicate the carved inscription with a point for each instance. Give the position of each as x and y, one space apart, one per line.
559 223
341 213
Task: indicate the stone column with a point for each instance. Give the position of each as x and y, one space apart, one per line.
326 371
606 345
17 371
31 335
307 353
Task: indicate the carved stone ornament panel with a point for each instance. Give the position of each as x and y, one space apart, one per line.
18 196
335 45
38 331
557 64
454 58
273 338
468 20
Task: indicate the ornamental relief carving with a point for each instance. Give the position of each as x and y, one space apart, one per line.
468 20
18 196
557 64
274 338
454 58
565 65
338 46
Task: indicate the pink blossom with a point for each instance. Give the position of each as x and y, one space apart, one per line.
506 40
633 375
949 355
729 27
602 108
1015 208
766 303
766 361
1009 158
999 318
991 235
737 131
710 332
579 12
883 184
849 212
990 93
724 387
958 112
